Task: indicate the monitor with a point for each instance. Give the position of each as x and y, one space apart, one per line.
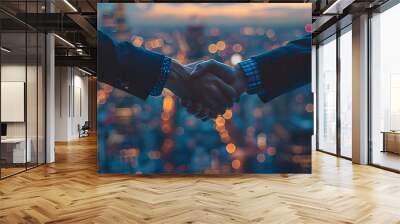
3 129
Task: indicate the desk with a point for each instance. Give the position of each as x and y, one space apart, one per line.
16 147
391 141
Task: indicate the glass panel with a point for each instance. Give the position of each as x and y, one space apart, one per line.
31 98
327 96
13 87
346 94
32 89
313 83
385 87
41 98
23 84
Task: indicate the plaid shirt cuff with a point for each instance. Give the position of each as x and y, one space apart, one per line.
159 86
254 83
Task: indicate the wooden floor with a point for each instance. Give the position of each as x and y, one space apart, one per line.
387 159
70 191
5 172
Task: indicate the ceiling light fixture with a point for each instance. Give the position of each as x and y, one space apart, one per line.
84 71
337 7
5 50
70 5
64 40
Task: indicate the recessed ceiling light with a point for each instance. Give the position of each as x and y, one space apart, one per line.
70 5
84 71
5 50
337 7
64 40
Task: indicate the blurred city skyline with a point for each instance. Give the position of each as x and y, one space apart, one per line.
216 14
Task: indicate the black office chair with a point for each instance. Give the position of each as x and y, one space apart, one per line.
84 130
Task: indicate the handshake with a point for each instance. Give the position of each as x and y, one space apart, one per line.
206 88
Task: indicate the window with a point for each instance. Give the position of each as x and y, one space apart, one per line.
385 89
346 93
327 96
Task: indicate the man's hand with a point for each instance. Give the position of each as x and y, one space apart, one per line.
234 77
204 96
178 78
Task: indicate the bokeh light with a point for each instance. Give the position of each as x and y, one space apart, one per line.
236 164
237 48
236 58
230 148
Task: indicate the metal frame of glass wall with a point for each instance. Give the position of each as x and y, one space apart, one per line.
34 50
334 37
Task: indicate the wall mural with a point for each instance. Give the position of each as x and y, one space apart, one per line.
191 126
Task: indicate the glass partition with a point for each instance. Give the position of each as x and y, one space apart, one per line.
13 114
327 95
41 96
346 93
23 90
31 97
385 89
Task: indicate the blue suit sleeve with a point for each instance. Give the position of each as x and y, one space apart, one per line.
285 69
124 66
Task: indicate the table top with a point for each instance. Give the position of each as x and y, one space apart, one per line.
13 140
391 132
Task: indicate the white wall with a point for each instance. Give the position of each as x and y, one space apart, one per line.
16 73
9 73
61 103
33 126
80 111
71 102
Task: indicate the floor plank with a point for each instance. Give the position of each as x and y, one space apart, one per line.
70 191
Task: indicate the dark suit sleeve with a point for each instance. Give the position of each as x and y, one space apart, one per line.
286 68
127 67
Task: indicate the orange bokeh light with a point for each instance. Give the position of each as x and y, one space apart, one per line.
221 45
168 104
236 164
220 121
227 115
309 108
165 116
137 41
231 148
212 48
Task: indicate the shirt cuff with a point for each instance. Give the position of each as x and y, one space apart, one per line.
159 86
253 75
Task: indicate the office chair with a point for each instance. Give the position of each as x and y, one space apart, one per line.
84 130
